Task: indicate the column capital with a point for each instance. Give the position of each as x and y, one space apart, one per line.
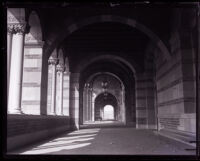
53 61
17 28
60 68
66 72
10 29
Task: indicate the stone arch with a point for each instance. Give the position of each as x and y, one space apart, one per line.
35 32
86 62
54 41
54 54
98 107
61 56
130 75
109 73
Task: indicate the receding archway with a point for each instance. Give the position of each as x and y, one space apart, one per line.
108 112
108 108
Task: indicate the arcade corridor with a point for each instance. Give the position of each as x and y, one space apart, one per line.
100 78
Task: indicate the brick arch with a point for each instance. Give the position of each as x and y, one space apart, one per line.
67 30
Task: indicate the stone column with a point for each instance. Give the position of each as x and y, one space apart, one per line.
93 113
16 66
66 90
90 103
10 31
123 110
84 105
53 62
74 100
60 69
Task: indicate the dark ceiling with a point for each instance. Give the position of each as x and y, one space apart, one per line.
106 37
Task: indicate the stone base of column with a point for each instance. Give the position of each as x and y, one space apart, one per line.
15 112
52 113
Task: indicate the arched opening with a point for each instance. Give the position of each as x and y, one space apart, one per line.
95 97
108 112
108 108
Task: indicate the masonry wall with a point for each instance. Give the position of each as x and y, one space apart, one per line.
32 68
31 85
145 99
26 129
176 91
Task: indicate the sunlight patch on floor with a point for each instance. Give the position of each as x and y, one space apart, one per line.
67 142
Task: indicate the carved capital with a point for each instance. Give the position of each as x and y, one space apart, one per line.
53 61
16 28
10 29
60 68
20 28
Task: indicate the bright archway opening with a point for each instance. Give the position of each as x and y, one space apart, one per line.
108 112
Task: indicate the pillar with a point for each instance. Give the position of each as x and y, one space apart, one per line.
123 112
74 100
53 62
60 69
90 104
84 105
16 66
66 85
9 47
93 113
86 102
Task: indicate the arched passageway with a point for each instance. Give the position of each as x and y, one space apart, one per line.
106 106
107 83
108 113
64 73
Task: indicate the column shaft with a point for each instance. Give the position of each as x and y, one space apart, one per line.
61 93
84 105
87 105
93 112
53 89
9 47
16 71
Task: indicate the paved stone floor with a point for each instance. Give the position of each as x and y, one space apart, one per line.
116 140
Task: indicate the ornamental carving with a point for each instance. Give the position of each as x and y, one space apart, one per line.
16 28
60 68
10 29
53 61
